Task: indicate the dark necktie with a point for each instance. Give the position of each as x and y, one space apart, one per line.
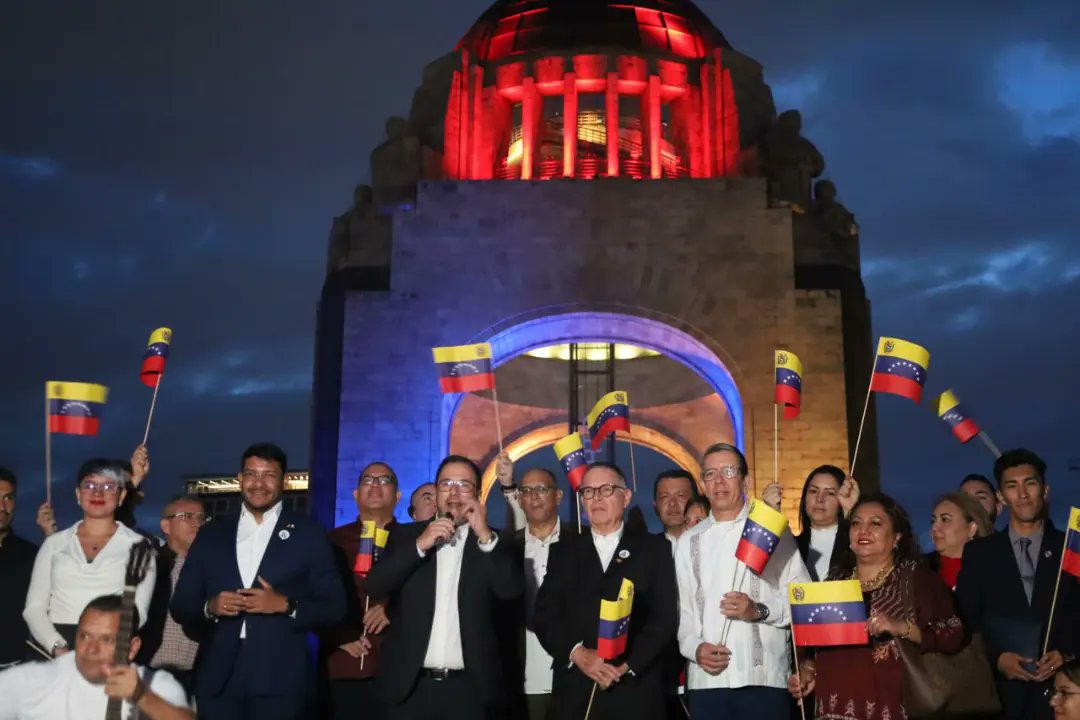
1027 567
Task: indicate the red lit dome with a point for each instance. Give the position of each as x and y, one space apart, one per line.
515 27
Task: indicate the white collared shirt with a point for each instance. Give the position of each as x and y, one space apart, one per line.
252 537
444 643
606 544
673 540
538 663
759 650
56 689
64 581
821 548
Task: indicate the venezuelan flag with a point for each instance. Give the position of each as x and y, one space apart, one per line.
760 534
372 543
571 453
157 352
952 413
615 622
828 613
464 368
788 382
900 368
75 408
1070 562
610 413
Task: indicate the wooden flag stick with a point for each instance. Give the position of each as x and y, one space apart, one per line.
1053 603
591 696
862 422
367 606
48 451
498 423
776 443
150 415
989 444
37 648
633 470
798 670
726 629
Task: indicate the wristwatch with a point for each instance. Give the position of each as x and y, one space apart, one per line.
512 487
56 646
290 606
762 611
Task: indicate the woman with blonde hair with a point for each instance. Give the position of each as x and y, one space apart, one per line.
957 519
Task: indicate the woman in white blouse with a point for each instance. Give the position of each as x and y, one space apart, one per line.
827 499
84 561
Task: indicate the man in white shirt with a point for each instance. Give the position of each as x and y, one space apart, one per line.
445 580
742 674
79 684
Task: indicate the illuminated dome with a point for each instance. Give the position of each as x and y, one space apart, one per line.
516 27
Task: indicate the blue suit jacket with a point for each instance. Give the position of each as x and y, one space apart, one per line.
298 564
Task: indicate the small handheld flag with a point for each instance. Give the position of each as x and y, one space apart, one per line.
760 535
372 543
789 372
952 413
157 352
75 408
615 622
610 413
571 453
464 368
900 368
828 613
1070 560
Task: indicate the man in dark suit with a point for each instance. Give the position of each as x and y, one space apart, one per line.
444 580
1006 588
16 565
250 588
589 568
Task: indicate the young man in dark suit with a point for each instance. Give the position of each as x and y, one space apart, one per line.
444 580
586 569
250 589
16 566
1006 588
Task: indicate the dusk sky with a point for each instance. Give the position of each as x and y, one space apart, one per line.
179 164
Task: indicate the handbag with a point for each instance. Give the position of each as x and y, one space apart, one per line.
974 690
925 687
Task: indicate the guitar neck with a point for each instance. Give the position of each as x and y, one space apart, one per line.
123 645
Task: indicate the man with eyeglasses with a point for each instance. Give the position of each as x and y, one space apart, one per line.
591 567
165 645
16 565
444 581
744 673
251 588
350 650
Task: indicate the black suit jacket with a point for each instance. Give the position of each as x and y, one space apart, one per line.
299 564
568 612
992 601
408 582
802 540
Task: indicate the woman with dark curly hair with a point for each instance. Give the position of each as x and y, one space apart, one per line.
905 601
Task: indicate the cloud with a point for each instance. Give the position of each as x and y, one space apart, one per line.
1043 89
29 168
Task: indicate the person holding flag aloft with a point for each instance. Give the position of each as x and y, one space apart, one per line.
745 673
607 609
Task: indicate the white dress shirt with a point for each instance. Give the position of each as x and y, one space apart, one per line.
444 644
674 542
759 650
537 661
56 690
821 547
64 581
252 537
606 544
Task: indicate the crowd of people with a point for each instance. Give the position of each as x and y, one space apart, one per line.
445 616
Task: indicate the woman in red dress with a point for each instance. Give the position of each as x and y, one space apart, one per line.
905 600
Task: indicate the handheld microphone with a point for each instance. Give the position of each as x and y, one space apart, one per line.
440 516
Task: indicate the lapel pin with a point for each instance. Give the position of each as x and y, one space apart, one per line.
284 534
623 554
1047 554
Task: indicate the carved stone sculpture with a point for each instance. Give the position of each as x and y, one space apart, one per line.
791 162
396 166
831 216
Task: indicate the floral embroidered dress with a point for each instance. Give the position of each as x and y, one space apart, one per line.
863 682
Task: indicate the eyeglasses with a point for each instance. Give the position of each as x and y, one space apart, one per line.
588 493
541 490
460 485
189 516
380 480
265 474
728 472
1063 693
108 488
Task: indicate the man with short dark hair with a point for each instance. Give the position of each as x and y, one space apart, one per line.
1006 588
594 566
979 487
422 506
16 565
79 684
252 586
165 645
443 580
672 491
350 650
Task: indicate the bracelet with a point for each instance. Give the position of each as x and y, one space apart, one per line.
140 690
907 631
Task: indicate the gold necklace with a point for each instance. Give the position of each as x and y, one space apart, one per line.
877 581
